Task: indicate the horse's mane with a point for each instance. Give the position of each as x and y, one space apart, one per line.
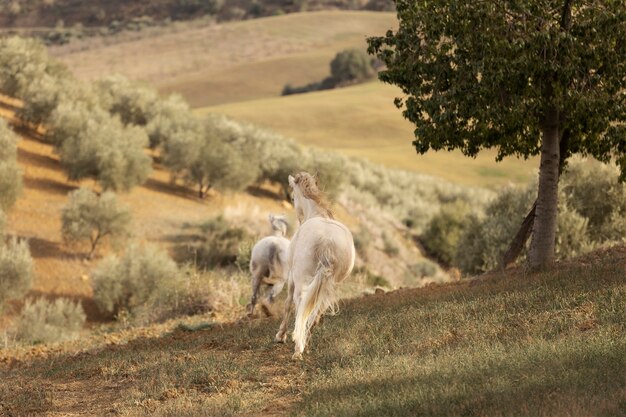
308 186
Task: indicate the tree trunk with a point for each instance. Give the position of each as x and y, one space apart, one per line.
524 232
544 228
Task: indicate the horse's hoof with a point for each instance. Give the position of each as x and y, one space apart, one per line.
280 338
267 310
297 356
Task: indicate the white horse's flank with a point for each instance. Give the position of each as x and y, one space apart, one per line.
268 261
321 254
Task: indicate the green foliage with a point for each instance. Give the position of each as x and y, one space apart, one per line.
371 279
486 238
347 67
216 243
16 270
328 167
130 101
90 143
92 218
594 191
389 246
462 95
10 173
420 270
444 230
351 65
44 321
208 158
362 241
23 61
167 117
128 282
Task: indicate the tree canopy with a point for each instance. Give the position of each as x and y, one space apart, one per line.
517 76
485 74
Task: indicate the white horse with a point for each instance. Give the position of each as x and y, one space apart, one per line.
321 254
268 262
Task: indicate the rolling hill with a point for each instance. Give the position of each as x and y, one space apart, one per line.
362 121
214 64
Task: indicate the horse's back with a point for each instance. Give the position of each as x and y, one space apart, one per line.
321 235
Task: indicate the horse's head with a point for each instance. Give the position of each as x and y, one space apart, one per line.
279 224
308 199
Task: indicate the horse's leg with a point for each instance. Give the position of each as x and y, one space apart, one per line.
281 336
276 289
256 284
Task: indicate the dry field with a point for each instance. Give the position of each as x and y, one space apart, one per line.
212 64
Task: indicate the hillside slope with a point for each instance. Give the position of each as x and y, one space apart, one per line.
211 64
548 344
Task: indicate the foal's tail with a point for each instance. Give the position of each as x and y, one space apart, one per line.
318 297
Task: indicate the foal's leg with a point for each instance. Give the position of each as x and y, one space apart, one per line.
281 336
276 289
256 284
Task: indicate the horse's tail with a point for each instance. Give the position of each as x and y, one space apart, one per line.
319 296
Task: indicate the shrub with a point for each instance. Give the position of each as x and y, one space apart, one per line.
362 241
328 167
186 293
92 218
219 244
16 270
10 173
441 237
351 65
389 246
371 279
125 283
594 191
44 321
487 238
420 270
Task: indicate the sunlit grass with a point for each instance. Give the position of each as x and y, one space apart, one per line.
511 344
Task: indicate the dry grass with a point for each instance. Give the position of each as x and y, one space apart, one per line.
503 344
230 62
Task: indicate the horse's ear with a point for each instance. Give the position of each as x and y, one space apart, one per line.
292 181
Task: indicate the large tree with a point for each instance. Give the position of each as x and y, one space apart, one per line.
532 77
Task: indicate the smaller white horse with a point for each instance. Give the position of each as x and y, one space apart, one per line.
321 254
268 262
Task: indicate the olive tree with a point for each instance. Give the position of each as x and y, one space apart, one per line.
526 78
92 144
206 158
92 218
10 173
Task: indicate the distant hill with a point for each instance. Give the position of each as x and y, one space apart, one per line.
104 13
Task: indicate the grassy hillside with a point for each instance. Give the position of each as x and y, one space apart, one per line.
362 121
212 64
548 344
